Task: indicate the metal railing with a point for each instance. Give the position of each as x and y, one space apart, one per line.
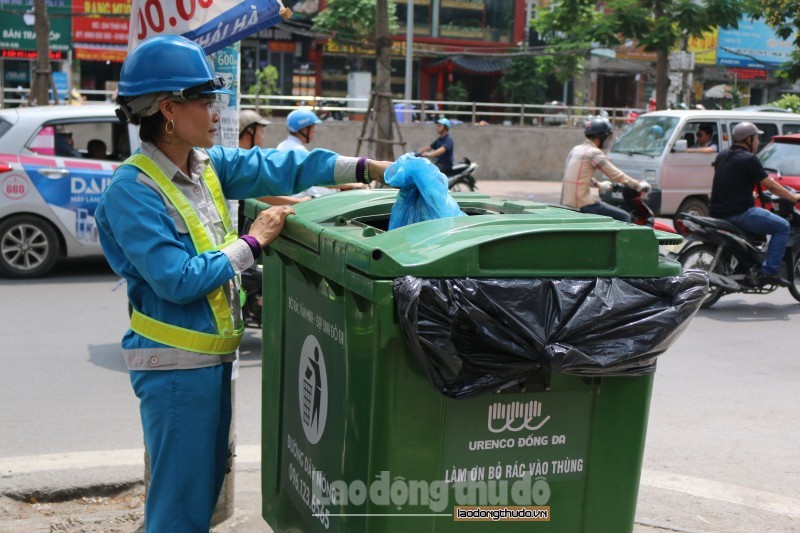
476 113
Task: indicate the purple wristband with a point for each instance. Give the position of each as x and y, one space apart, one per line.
252 242
360 167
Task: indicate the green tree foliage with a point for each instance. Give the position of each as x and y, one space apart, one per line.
523 82
266 83
352 21
576 26
788 101
571 30
784 17
456 92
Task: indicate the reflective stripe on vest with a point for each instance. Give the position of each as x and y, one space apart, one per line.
226 340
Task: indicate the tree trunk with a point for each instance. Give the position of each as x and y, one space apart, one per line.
383 102
662 78
40 93
662 66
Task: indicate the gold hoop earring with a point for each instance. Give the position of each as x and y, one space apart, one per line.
170 127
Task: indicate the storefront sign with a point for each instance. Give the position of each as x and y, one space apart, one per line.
704 48
29 54
748 73
100 29
213 24
105 22
18 32
754 44
89 53
281 46
332 47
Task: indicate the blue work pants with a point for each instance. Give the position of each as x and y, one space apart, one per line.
602 208
762 222
186 417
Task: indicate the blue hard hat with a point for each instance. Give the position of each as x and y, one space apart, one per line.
168 63
444 122
657 130
301 118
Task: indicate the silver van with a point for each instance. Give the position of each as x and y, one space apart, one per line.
660 148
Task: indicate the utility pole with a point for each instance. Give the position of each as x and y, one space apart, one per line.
43 73
409 55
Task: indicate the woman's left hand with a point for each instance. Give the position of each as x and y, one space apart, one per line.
269 223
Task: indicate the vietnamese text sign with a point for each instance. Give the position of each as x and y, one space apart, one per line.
754 44
213 24
17 35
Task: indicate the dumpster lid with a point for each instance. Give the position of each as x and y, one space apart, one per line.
499 239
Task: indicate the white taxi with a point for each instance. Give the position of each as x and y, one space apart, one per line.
55 162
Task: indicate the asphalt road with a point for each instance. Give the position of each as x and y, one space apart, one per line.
721 451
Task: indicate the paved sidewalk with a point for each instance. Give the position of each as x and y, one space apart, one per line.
92 509
548 192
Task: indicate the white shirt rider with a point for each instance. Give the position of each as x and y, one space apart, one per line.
293 143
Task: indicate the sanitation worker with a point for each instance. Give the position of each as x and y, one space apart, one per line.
164 226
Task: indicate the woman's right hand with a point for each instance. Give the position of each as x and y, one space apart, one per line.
269 224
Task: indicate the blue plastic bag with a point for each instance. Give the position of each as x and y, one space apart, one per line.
423 192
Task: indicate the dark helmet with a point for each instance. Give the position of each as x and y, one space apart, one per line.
598 127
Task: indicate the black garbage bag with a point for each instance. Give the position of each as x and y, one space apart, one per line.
473 335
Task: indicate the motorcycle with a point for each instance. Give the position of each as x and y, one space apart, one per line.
460 178
250 290
331 110
733 257
252 295
635 205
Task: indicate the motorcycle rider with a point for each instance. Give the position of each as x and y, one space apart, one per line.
164 226
302 126
737 170
582 162
251 129
251 133
441 148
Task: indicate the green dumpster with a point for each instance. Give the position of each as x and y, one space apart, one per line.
354 436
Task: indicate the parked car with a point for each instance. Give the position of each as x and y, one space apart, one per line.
55 162
781 159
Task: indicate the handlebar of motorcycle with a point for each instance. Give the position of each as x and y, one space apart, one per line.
775 171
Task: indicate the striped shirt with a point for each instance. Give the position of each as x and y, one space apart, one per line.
582 162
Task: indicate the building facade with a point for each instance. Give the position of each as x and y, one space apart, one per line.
459 53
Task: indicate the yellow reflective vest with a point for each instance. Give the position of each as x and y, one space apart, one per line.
227 338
